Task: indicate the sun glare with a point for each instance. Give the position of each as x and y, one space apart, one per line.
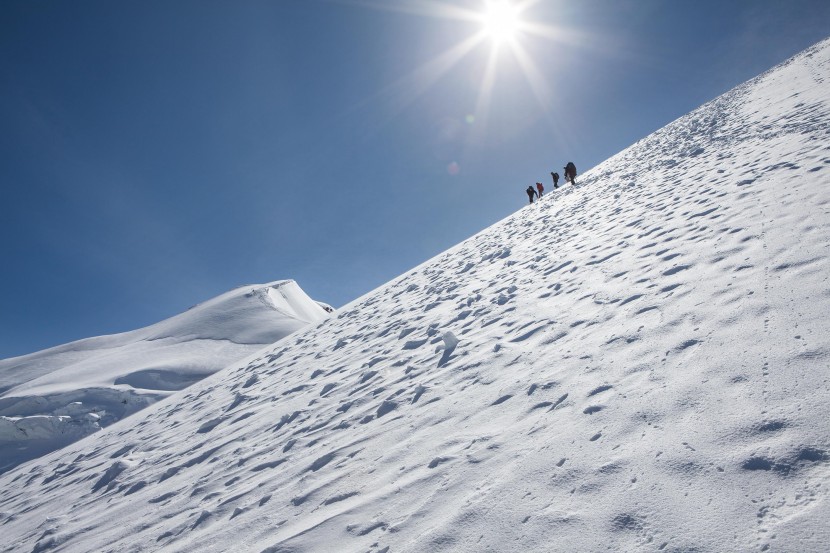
500 20
504 28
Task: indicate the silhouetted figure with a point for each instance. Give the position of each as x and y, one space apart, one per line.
530 193
555 179
570 172
540 188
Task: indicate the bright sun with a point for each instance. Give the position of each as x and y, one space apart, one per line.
503 25
501 20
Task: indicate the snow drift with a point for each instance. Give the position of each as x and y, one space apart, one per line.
55 396
636 364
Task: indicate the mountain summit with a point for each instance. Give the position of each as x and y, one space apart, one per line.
56 396
639 363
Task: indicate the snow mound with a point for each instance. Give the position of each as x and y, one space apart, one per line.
55 396
638 364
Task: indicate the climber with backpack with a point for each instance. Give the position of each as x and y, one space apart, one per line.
570 172
555 179
530 193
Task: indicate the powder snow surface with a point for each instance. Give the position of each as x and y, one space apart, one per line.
638 363
56 396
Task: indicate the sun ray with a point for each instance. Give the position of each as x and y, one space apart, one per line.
421 79
535 79
406 90
423 8
485 93
557 34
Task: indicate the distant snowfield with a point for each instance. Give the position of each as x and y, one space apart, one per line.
639 363
56 396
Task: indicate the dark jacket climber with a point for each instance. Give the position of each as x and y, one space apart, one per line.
570 172
555 179
530 193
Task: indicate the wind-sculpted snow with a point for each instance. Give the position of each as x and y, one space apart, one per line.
639 363
56 396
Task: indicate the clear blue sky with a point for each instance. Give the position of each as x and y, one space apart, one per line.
155 154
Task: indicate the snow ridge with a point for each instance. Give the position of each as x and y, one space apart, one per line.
56 396
639 363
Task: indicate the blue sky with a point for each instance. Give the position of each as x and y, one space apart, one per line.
155 154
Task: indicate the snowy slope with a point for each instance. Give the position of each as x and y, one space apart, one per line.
639 363
56 396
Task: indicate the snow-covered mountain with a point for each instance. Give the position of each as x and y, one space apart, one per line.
56 396
638 363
